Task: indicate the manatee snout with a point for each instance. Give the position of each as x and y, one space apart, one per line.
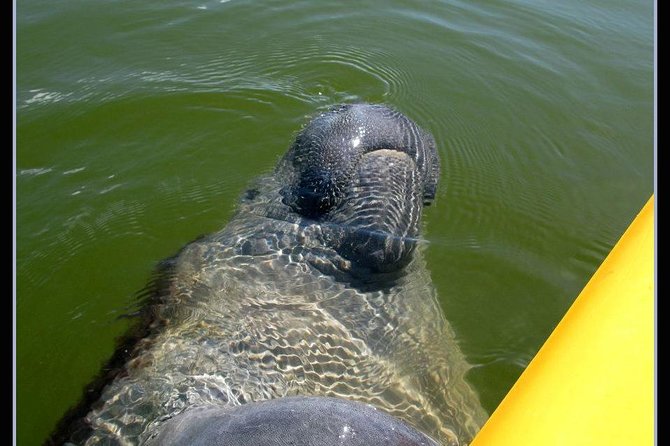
368 170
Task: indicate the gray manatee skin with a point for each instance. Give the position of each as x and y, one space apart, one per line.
316 287
295 421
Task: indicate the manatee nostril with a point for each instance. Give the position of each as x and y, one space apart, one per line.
316 193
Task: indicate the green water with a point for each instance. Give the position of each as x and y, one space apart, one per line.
140 123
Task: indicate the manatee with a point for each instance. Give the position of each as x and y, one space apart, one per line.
309 319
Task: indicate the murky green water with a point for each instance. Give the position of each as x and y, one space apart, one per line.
139 123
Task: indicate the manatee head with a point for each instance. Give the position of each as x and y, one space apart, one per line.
367 171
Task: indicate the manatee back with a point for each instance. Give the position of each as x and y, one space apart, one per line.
295 421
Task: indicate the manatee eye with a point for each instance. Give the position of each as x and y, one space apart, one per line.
250 194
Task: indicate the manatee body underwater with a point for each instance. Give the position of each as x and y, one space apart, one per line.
309 319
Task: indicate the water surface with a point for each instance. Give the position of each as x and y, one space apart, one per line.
140 123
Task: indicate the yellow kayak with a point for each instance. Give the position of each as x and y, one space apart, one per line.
592 382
